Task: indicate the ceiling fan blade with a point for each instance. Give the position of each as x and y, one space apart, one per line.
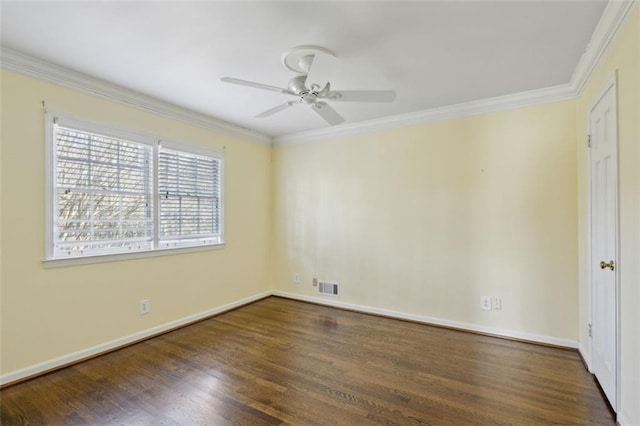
325 90
273 110
363 95
255 85
329 114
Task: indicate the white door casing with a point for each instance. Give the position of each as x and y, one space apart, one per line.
603 131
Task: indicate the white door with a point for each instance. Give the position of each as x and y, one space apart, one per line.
604 199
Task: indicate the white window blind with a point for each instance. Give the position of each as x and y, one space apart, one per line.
189 191
115 191
103 194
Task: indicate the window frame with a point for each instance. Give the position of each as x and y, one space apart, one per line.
82 124
193 150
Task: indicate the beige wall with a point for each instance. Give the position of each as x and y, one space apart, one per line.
421 220
425 220
47 313
624 56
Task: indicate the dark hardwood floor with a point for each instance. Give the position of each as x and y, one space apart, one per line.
279 361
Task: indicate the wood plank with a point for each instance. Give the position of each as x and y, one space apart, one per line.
280 361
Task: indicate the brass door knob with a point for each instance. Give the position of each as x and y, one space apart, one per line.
611 265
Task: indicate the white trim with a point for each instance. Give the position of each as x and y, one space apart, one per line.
536 338
621 419
611 21
586 356
589 346
94 126
611 83
22 63
123 341
50 187
617 255
191 148
155 200
53 118
223 199
99 349
102 258
508 102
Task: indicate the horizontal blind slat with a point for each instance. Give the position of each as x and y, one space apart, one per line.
189 190
104 192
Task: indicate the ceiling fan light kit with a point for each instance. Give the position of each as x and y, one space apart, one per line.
301 60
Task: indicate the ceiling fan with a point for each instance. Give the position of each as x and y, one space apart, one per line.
300 60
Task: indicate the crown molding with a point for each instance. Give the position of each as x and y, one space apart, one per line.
612 20
19 62
610 23
467 109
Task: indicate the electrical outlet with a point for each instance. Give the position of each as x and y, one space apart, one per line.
497 303
485 303
296 278
315 282
145 306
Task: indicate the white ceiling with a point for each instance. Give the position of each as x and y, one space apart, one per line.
432 53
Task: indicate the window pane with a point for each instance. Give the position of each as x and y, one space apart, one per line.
103 188
73 174
189 190
104 176
106 206
104 195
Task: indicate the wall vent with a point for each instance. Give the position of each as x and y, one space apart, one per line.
326 287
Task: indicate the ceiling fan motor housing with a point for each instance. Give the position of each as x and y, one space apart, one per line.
298 85
300 60
309 98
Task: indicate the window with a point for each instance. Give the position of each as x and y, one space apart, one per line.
103 194
114 192
189 189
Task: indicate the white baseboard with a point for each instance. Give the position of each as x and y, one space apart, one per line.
622 420
585 355
123 341
74 357
536 338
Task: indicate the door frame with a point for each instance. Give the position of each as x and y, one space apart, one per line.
610 82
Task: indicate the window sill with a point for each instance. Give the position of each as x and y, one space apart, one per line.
87 260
